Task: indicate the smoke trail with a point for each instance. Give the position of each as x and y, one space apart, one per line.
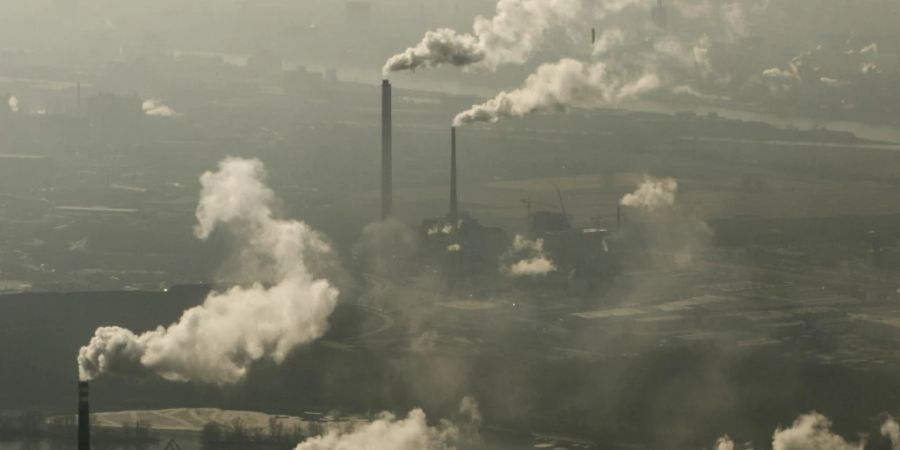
510 37
560 85
218 340
389 433
652 194
154 107
528 258
891 430
811 432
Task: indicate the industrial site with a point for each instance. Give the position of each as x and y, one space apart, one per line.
473 225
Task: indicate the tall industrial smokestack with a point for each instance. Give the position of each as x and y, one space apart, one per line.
386 150
84 417
454 206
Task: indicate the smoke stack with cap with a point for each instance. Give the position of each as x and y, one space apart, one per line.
454 206
386 150
84 417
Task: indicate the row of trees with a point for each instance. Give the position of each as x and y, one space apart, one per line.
34 427
236 435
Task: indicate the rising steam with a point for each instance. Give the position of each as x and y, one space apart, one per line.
557 86
811 432
527 258
891 430
388 433
13 103
652 194
218 340
510 37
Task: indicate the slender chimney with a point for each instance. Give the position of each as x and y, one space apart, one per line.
454 206
386 150
84 417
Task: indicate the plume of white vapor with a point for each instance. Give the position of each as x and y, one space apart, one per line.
388 433
891 430
652 194
13 103
724 443
530 259
155 107
218 340
560 85
510 37
811 432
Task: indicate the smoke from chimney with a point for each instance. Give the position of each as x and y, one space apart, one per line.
557 86
510 37
217 341
454 204
155 107
387 170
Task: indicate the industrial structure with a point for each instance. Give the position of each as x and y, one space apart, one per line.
84 416
386 150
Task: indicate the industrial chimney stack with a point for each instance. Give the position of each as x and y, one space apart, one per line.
386 150
84 417
454 205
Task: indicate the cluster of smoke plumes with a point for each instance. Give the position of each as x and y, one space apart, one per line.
626 64
813 432
388 432
652 194
217 341
526 258
155 107
510 37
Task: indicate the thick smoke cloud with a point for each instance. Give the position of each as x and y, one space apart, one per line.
557 86
652 194
388 433
811 432
217 341
891 430
527 258
510 37
155 107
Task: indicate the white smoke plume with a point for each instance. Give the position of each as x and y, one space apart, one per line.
891 430
724 443
510 37
557 86
632 57
388 433
652 194
13 103
811 432
528 258
217 341
155 107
